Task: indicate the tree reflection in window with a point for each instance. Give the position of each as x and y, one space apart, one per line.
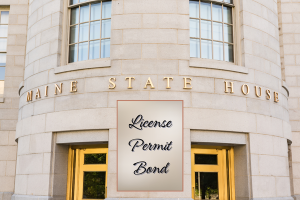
94 185
95 158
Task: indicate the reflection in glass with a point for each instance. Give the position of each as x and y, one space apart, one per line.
227 12
206 185
95 30
3 30
95 158
83 51
206 50
194 9
106 9
194 28
73 53
4 17
228 52
105 32
228 1
105 48
74 34
3 44
206 159
205 10
84 13
84 32
94 185
95 11
2 73
217 12
194 48
218 31
205 29
228 33
74 15
218 50
72 2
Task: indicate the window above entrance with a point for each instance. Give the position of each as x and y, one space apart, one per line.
211 30
90 28
4 16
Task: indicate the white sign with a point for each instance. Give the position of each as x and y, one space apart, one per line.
150 145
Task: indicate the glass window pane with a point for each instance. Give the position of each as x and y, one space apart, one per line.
72 2
194 28
229 52
227 12
3 44
106 9
95 11
206 185
105 48
2 74
84 32
4 17
105 33
80 1
218 50
194 48
95 158
228 1
204 159
218 31
194 9
205 10
2 59
95 30
95 49
74 16
74 34
73 53
217 12
83 51
228 35
94 185
84 13
3 30
206 50
205 29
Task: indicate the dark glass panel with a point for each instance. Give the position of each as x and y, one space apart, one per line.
94 185
206 185
206 159
95 158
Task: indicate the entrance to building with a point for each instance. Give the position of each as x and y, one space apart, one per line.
212 173
87 173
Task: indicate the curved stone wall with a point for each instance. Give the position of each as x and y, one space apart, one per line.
150 38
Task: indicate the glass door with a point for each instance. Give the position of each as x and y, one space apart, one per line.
212 174
87 173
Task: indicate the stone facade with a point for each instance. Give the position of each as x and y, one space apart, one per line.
150 38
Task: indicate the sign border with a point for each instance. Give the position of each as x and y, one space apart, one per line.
182 189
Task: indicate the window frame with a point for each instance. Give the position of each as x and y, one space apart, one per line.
4 8
234 30
68 30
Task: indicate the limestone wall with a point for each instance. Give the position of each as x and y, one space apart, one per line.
150 38
9 97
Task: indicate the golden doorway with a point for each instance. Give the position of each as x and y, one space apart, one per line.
212 173
87 173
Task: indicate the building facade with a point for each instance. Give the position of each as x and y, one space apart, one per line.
205 92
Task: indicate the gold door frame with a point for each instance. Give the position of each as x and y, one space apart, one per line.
224 167
76 168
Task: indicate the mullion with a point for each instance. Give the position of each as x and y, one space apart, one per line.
100 29
200 30
90 12
78 34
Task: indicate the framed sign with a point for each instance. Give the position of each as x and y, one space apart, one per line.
150 145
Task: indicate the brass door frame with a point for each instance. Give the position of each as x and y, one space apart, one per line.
225 169
76 169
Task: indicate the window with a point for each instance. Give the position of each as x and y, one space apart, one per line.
211 30
90 27
4 14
